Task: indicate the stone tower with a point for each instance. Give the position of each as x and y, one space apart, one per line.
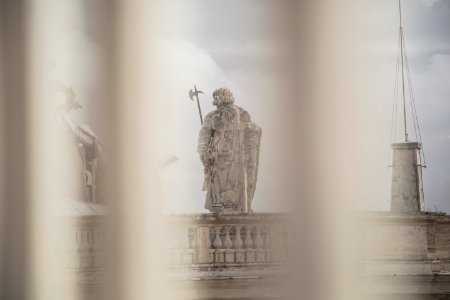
407 185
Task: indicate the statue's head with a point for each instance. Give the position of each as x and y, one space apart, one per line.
66 99
223 97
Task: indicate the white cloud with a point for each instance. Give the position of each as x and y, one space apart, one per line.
249 48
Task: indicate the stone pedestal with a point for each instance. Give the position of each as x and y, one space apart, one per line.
229 255
407 184
240 255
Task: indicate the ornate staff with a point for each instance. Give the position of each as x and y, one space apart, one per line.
195 93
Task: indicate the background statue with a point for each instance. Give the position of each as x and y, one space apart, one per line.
89 147
228 146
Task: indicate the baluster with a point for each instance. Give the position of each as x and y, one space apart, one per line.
171 240
78 240
260 252
85 258
169 244
283 243
193 244
268 244
84 241
185 252
59 249
258 239
75 240
287 242
217 242
192 238
248 238
98 248
210 245
71 248
96 240
277 251
179 238
229 253
185 237
203 251
218 246
68 242
177 245
211 249
91 252
249 245
90 239
227 242
102 238
237 244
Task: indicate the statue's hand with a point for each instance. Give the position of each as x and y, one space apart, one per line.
207 160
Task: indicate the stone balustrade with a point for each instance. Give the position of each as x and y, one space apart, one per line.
79 245
226 239
401 253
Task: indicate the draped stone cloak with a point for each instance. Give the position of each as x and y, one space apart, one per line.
228 146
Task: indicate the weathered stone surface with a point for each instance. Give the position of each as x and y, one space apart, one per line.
407 185
233 256
407 256
229 240
228 146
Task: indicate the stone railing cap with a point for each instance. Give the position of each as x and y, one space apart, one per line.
406 145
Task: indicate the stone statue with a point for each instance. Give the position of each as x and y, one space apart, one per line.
228 146
90 148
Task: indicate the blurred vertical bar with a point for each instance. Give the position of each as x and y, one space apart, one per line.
54 172
137 207
14 203
338 69
34 158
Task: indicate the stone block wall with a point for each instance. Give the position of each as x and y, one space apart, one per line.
406 255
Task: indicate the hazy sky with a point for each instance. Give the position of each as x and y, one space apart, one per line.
427 33
238 44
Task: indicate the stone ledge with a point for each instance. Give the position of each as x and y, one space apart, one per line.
407 284
404 217
225 271
406 145
210 218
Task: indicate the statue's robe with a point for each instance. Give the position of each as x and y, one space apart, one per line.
228 146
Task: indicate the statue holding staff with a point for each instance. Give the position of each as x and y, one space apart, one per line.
228 146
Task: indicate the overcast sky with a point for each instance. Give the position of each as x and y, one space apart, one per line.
238 44
427 33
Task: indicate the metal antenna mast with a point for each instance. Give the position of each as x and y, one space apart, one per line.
403 73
